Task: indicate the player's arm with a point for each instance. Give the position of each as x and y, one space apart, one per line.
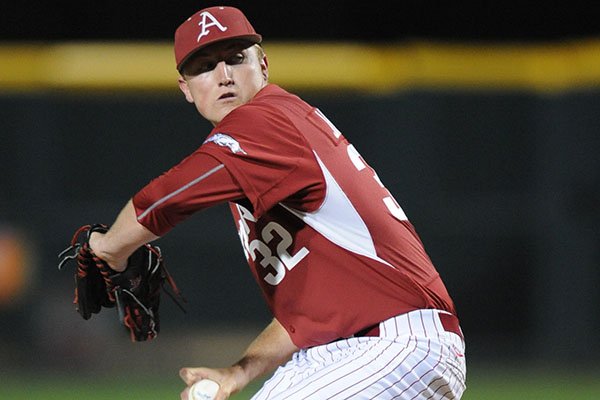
271 348
122 239
198 182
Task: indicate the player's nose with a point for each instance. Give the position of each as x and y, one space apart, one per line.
224 73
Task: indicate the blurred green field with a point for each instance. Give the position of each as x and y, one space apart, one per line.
484 384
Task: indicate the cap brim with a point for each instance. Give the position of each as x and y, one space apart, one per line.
251 39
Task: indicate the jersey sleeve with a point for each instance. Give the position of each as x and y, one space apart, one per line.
197 182
269 158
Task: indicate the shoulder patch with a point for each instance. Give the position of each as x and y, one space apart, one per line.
224 140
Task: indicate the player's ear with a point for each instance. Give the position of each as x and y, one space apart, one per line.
183 86
264 67
262 60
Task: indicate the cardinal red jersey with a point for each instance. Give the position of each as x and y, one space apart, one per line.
328 244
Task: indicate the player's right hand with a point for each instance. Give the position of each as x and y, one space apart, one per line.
231 380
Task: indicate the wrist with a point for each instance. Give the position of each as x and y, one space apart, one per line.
98 244
241 375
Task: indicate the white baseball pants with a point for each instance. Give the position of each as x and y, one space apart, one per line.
413 357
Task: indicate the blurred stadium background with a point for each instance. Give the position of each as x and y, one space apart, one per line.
484 122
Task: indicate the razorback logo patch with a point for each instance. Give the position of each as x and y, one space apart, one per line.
224 140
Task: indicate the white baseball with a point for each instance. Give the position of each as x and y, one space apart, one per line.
204 389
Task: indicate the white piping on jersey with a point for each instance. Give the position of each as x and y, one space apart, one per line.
338 221
181 189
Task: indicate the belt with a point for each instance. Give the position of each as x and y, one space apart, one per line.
449 322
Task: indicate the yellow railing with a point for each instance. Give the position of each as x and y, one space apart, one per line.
550 66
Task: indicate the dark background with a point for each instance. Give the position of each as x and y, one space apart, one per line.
311 20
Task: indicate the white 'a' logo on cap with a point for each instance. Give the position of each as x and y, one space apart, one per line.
205 24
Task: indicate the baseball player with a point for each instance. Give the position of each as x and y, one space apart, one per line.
359 310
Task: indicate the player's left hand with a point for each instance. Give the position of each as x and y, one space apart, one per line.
90 288
135 291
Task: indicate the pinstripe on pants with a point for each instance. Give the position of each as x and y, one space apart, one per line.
413 358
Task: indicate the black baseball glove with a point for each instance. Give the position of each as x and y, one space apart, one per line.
135 291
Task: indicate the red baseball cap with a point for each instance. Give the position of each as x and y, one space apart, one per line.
208 26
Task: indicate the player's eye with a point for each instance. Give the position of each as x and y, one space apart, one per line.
204 66
200 66
235 59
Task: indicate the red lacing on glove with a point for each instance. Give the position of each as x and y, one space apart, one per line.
176 292
135 325
106 273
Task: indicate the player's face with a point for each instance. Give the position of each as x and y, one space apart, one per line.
223 76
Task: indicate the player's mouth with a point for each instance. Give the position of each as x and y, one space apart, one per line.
226 96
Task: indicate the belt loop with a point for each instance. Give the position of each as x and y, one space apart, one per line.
451 324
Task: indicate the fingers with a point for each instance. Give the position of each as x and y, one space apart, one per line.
220 375
185 394
186 375
191 375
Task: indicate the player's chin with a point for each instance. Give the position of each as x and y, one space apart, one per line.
225 108
229 102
